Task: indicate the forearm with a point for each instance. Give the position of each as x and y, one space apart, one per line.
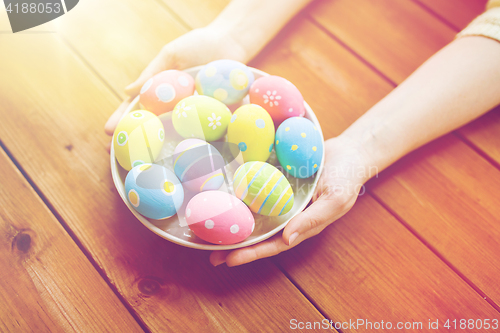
253 23
458 84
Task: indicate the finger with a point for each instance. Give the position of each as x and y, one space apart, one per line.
108 147
112 122
317 216
157 65
218 257
267 248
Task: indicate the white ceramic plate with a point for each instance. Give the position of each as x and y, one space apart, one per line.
175 228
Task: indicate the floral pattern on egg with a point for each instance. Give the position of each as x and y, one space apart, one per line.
201 117
278 96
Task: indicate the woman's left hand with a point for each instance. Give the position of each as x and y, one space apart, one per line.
343 176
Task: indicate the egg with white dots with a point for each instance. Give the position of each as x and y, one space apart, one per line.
198 165
251 132
154 191
219 218
299 147
138 139
163 91
278 96
263 188
226 80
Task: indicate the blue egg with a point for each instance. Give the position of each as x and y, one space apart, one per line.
226 80
154 191
299 147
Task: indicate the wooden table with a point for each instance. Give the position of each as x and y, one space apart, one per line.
421 244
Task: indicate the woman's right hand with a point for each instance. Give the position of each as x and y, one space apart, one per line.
197 47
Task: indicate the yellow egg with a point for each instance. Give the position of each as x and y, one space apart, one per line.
251 131
138 139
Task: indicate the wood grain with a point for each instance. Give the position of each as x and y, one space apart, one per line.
115 33
56 135
394 36
483 132
450 198
367 262
457 12
46 282
368 266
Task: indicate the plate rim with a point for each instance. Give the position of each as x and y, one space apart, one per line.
211 247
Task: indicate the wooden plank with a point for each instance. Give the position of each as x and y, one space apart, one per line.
394 36
450 198
55 133
483 134
366 265
46 282
120 38
458 12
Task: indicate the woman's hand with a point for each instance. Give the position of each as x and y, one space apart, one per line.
343 176
197 47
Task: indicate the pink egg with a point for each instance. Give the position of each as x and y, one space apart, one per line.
219 218
163 91
278 96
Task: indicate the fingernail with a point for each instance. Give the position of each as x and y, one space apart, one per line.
292 238
218 262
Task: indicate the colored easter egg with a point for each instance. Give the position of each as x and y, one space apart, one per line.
154 191
198 165
138 139
163 91
263 188
226 80
299 147
219 218
201 117
251 131
278 96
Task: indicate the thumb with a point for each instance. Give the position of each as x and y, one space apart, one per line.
312 220
160 63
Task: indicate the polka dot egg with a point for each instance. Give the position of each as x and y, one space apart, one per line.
154 191
198 165
138 139
278 96
226 80
219 218
164 90
251 132
299 147
201 117
263 188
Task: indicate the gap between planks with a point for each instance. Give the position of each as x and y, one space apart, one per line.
482 154
45 200
73 237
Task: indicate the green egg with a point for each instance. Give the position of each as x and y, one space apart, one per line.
201 117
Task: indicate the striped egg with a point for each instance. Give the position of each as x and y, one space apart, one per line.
154 191
138 139
263 188
198 165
